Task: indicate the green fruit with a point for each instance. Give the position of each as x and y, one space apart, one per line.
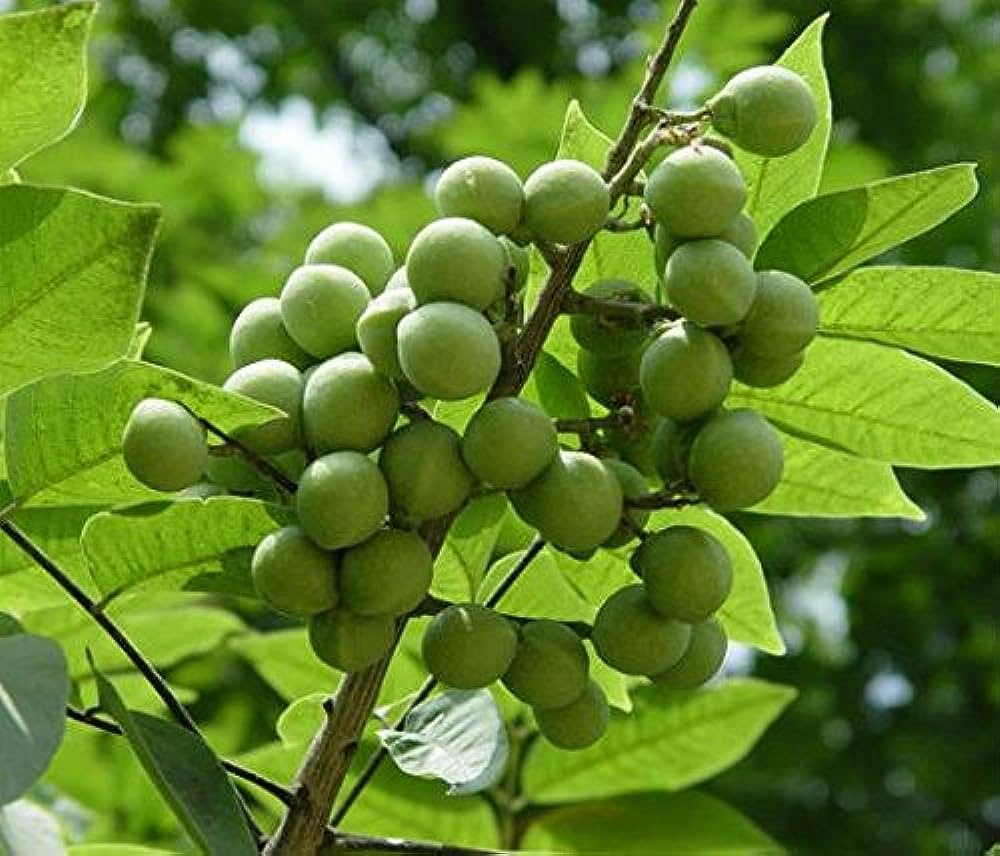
519 259
350 642
377 328
482 189
763 372
279 384
576 503
342 500
320 304
613 335
767 110
695 192
579 724
425 472
741 233
259 334
633 486
456 259
612 381
710 282
508 442
736 460
388 574
633 441
164 445
632 637
514 535
685 373
448 351
686 571
550 666
397 280
671 447
358 248
468 646
783 318
347 404
702 659
293 575
566 201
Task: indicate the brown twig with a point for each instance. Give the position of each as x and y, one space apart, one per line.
578 303
662 499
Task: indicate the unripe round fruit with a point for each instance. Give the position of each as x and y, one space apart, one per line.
686 571
342 500
425 472
736 460
482 189
519 259
579 724
320 304
702 659
448 351
611 336
293 575
279 384
566 201
347 404
508 442
259 334
695 192
671 447
377 328
467 646
632 637
609 380
350 642
633 486
767 110
783 318
575 504
710 282
358 248
456 259
388 574
685 373
741 233
163 445
550 666
397 280
763 372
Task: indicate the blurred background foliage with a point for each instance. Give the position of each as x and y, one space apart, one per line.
256 122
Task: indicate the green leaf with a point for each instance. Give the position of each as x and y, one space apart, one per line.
776 185
458 736
52 460
74 268
944 312
671 740
118 850
541 591
831 234
27 829
34 688
140 339
822 482
285 661
193 544
187 774
43 77
557 389
683 824
881 403
465 554
9 626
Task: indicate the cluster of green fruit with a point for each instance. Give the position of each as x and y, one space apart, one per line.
352 345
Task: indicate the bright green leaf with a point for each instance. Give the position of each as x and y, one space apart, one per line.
557 389
285 661
944 312
821 482
34 688
541 591
465 554
188 776
74 272
53 460
831 234
683 824
43 77
193 544
670 740
27 829
882 403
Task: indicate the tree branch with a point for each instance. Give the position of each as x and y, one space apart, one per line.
662 499
578 303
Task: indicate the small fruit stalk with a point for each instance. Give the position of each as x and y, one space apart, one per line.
354 348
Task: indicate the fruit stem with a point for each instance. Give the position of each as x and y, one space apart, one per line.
577 303
662 499
256 461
